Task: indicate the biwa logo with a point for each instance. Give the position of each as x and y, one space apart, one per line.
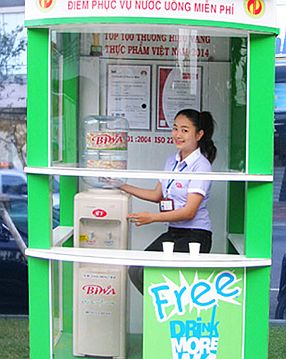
96 289
106 140
254 8
45 5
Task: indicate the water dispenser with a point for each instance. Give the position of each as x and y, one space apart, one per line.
100 221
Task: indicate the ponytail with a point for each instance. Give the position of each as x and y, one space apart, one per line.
202 121
206 144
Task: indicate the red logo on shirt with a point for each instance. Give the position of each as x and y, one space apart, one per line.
179 185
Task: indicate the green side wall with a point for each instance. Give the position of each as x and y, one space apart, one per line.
258 206
261 104
39 192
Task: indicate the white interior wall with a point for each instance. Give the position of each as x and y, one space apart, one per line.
215 98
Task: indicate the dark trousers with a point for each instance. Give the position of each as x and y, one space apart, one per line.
181 238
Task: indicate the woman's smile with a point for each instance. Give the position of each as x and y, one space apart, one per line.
178 141
185 135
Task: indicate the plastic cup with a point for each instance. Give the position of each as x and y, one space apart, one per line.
194 249
168 247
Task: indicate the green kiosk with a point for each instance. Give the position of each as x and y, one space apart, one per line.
105 80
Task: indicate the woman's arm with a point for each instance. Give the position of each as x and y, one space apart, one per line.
185 213
152 195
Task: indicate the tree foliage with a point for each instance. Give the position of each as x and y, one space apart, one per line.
10 48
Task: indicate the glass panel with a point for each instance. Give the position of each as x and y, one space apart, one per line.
101 216
103 312
118 85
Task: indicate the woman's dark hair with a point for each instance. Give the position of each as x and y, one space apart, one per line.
202 121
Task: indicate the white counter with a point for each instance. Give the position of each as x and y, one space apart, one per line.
139 258
147 259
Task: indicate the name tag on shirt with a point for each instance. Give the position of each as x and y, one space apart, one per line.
166 204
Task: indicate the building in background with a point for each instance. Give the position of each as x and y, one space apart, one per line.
13 187
13 76
280 107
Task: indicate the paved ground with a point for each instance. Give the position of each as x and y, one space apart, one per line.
279 212
278 250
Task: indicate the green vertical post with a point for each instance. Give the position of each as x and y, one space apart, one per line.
261 103
258 207
69 185
39 192
237 148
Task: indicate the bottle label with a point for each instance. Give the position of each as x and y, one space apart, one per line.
106 141
107 164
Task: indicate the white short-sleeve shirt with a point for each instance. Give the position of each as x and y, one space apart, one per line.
178 190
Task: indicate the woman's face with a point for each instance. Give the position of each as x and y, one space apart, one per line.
185 135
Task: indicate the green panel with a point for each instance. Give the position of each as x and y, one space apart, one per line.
37 99
56 289
146 20
258 226
256 315
236 205
67 297
63 349
193 313
39 318
231 249
68 189
261 103
39 192
55 115
68 185
70 96
39 211
237 150
65 68
237 138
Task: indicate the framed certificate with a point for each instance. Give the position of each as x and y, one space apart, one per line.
177 88
129 94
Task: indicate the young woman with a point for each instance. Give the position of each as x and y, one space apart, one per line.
182 202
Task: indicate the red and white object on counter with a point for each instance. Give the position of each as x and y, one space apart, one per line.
104 145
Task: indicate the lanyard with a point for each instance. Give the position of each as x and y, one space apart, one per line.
171 182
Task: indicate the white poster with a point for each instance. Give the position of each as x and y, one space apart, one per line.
178 88
129 94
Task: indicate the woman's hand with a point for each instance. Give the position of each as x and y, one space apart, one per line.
187 212
109 182
152 195
141 218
